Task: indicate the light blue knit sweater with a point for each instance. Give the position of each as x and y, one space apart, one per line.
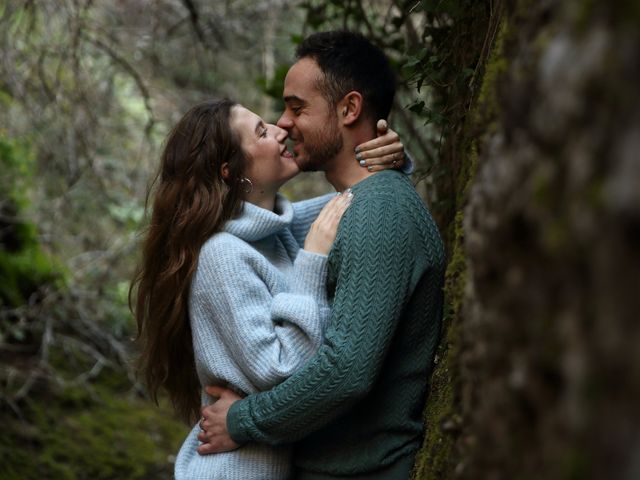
258 308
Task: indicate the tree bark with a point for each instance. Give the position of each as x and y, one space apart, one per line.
541 372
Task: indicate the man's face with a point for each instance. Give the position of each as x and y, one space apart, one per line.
311 121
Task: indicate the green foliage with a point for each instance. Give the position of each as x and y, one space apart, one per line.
128 213
23 272
115 307
275 86
24 267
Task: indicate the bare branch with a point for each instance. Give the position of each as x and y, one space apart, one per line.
118 59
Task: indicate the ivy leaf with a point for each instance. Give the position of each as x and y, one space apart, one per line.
412 62
417 107
467 72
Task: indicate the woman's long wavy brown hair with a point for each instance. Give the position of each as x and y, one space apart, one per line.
190 202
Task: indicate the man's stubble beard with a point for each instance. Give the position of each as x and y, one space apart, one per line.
325 146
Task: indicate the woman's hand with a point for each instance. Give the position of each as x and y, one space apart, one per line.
323 231
385 151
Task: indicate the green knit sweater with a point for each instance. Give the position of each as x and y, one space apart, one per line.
356 407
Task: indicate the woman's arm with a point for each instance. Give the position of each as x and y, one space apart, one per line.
268 336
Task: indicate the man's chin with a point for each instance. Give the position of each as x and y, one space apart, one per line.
304 164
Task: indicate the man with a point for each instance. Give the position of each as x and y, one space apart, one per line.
355 409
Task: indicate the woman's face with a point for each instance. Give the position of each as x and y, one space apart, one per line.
270 163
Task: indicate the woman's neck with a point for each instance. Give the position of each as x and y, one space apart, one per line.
262 199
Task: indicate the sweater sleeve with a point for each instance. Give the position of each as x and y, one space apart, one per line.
376 274
268 336
304 213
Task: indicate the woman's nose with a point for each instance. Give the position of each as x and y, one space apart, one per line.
280 133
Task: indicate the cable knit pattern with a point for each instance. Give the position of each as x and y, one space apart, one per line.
356 407
258 309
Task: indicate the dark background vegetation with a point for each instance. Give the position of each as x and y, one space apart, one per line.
524 118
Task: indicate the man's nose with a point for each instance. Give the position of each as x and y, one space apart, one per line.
284 121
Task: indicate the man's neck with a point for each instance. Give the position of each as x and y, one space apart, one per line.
345 171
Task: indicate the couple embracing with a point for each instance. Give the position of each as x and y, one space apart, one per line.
307 330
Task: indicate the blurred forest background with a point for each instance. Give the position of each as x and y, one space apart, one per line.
524 119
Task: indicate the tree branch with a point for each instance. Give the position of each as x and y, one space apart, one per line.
118 59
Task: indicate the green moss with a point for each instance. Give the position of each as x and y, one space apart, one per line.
487 104
435 460
439 455
97 434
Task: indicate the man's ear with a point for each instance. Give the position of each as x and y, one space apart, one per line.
224 171
350 108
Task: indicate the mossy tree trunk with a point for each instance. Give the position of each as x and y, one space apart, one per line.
539 374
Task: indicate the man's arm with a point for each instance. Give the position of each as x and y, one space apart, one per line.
375 279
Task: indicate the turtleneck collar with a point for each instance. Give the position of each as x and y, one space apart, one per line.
255 223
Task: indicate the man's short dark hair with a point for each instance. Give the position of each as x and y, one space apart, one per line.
351 62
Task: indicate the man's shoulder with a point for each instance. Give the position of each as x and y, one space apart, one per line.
388 204
390 192
384 181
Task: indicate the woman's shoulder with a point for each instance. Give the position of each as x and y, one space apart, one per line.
221 255
224 257
223 247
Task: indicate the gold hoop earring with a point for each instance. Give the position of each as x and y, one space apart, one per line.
246 185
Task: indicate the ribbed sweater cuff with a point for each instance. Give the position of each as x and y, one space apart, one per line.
234 422
310 274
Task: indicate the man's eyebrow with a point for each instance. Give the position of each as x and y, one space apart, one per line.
293 98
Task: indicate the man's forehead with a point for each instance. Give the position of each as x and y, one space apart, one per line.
302 79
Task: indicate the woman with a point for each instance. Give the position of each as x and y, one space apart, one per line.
225 294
